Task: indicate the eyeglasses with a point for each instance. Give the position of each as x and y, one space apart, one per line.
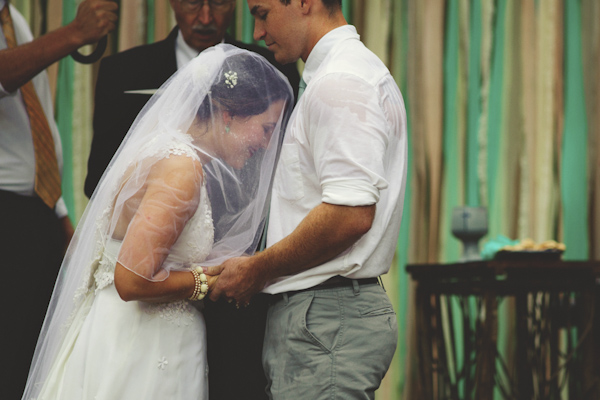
193 6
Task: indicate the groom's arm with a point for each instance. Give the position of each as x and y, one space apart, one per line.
324 233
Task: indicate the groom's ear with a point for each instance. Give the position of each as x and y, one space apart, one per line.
307 5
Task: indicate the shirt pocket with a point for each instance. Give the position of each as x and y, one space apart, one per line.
289 183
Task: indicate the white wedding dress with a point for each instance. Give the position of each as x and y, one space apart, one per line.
136 350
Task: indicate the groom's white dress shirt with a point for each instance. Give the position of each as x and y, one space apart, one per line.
17 169
345 145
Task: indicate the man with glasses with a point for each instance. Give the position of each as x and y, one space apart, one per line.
125 83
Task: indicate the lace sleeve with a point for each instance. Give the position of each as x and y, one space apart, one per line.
154 217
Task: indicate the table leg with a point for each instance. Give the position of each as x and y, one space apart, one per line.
486 355
524 383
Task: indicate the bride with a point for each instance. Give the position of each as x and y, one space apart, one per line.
189 185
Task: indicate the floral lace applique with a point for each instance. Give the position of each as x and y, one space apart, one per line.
162 363
179 150
180 313
179 146
88 280
105 273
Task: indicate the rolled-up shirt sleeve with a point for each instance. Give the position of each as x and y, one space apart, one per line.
348 135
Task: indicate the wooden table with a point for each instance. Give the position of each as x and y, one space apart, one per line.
554 302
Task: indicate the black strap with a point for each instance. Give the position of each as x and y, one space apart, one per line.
94 56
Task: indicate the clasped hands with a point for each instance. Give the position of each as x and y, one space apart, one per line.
236 280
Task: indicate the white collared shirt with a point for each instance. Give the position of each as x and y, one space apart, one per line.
17 157
346 145
183 52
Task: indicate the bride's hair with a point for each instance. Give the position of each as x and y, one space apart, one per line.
245 86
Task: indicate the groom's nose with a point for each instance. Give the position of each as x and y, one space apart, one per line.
259 32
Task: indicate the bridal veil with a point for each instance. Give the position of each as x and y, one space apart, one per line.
230 107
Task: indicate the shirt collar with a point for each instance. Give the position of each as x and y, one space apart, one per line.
184 52
324 46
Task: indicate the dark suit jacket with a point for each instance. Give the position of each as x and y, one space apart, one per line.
234 337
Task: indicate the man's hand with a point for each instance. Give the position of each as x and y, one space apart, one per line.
211 280
95 19
238 279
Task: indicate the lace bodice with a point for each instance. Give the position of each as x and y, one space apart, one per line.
196 239
193 246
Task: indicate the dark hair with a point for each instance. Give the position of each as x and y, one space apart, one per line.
331 5
256 86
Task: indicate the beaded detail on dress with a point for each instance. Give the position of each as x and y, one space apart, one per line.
179 313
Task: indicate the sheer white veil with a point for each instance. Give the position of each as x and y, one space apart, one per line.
224 113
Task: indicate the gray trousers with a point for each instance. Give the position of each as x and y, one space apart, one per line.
329 343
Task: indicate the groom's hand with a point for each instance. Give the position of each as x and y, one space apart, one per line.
238 280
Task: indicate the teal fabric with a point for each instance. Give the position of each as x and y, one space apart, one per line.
452 149
494 111
247 26
473 106
64 115
452 194
150 21
492 246
494 145
574 175
347 10
399 32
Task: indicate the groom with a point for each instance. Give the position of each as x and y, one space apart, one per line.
125 81
335 211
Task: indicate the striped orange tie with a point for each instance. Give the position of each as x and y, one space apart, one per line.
47 175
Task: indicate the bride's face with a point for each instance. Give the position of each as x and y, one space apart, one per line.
247 135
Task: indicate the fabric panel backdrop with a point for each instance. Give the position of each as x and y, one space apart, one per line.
503 103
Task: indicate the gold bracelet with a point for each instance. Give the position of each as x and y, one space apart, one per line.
200 284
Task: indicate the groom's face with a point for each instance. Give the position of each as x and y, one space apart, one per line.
203 23
282 26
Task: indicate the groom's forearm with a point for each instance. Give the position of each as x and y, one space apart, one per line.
327 231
